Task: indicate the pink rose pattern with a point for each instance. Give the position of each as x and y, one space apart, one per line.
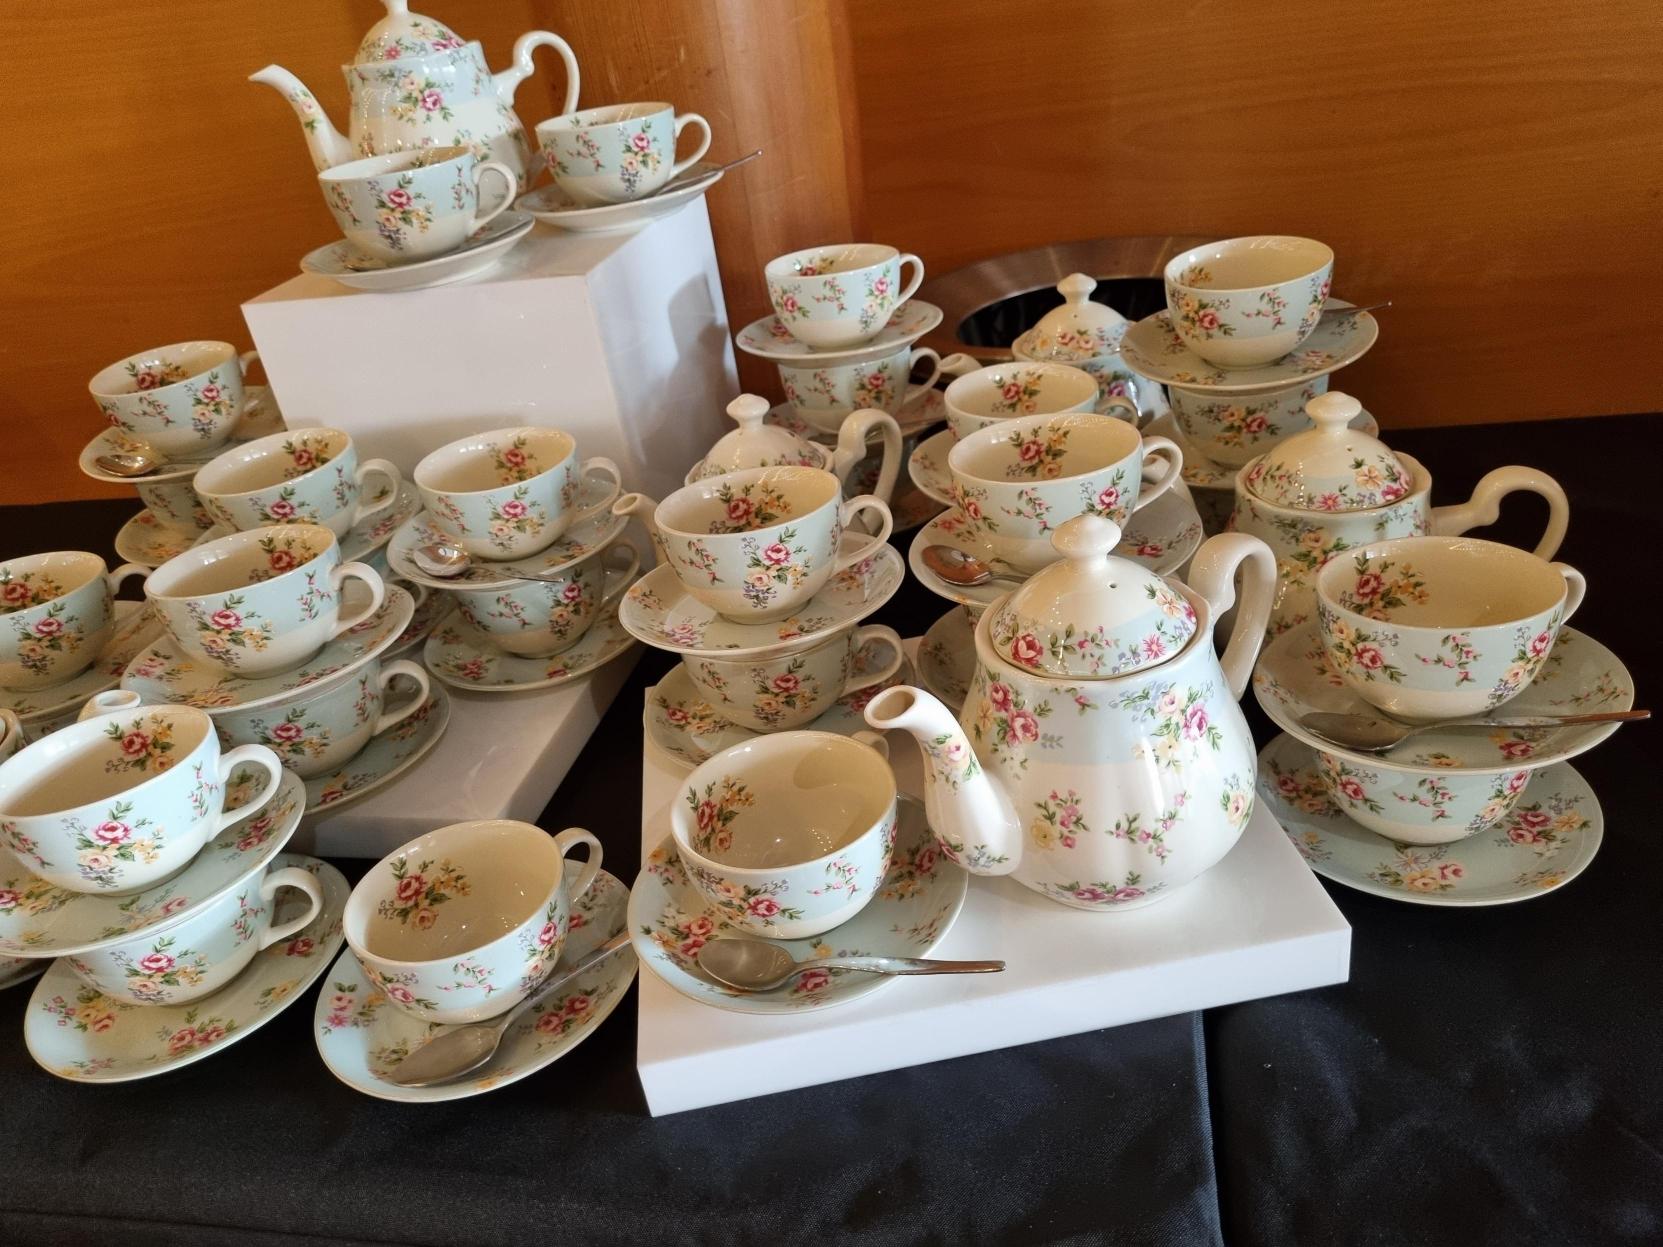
419 890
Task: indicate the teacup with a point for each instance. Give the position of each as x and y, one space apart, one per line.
179 400
119 802
757 544
310 476
57 612
410 204
824 396
463 923
1423 806
321 728
176 962
616 154
541 618
1016 482
983 397
175 502
509 493
261 601
1247 301
791 689
839 295
1236 428
1431 628
11 733
788 836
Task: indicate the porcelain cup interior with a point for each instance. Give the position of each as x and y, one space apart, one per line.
179 399
155 372
1073 444
723 507
271 461
238 562
1243 302
483 462
56 614
999 392
88 765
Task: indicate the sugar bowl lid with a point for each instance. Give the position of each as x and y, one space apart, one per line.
757 444
403 34
1079 329
1331 467
1091 615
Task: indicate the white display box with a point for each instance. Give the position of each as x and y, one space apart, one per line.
1257 924
620 339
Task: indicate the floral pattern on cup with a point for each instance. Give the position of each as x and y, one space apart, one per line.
309 477
57 612
1246 302
617 154
839 296
413 203
788 690
1431 807
179 399
1232 430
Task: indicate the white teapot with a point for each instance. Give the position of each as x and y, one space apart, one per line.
1100 757
758 444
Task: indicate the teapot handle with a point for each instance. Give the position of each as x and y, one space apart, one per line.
1212 575
521 67
851 448
1485 506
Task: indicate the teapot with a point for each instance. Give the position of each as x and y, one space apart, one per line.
415 83
1101 757
1087 335
757 444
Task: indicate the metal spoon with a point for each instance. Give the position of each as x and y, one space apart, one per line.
701 176
463 1049
447 562
958 568
1367 733
129 463
757 966
1353 311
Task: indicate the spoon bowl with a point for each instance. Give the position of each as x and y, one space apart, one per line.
965 570
129 463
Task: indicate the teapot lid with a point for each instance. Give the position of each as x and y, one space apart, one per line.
403 34
1091 615
757 444
1331 467
1079 329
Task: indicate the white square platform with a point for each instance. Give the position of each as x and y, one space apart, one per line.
1257 924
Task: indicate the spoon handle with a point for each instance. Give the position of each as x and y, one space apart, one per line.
901 965
560 979
1550 720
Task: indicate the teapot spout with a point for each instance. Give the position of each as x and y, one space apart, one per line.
970 814
329 147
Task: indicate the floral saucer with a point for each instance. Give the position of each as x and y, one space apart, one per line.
917 414
163 675
659 611
553 206
1293 679
364 539
150 540
76 1032
40 920
1539 847
1154 349
261 417
137 626
670 920
432 610
460 656
361 1038
947 657
768 338
687 728
927 465
352 267
384 759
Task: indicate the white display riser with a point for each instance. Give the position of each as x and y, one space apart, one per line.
1257 924
620 339
502 756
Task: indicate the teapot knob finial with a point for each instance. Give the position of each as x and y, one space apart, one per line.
1076 287
1086 537
1333 410
750 410
396 8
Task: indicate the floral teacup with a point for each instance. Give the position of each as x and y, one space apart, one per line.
541 618
1431 628
258 602
509 493
755 545
174 502
1247 301
616 154
171 963
179 400
839 295
56 613
1017 481
772 694
824 396
311 476
406 205
981 397
119 802
1235 428
788 836
1425 805
321 728
463 923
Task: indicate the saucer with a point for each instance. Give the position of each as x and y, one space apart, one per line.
352 267
78 1033
917 414
384 759
1489 868
164 675
461 657
553 206
431 611
768 338
947 658
669 920
927 465
261 417
1293 679
136 627
659 610
150 541
39 920
361 1039
20 970
686 727
1154 349
364 538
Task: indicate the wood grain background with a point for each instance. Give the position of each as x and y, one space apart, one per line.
1494 169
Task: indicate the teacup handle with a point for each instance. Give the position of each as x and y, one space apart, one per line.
917 276
915 388
851 448
959 365
297 877
1575 588
254 755
114 579
606 466
110 701
1484 507
853 507
591 867
1125 406
682 122
507 175
1168 452
875 632
394 478
389 673
620 578
247 360
371 577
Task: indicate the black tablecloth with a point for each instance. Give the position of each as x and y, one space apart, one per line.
1487 1075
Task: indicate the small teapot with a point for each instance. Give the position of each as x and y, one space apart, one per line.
1087 335
1100 757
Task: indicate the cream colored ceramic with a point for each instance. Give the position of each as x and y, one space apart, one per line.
542 618
1086 334
1247 301
980 397
823 394
310 476
840 295
1331 467
179 400
413 205
620 153
11 733
57 612
773 693
1230 430
1432 806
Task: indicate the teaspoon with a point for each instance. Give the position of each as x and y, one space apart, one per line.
1367 733
690 177
958 568
447 562
757 966
1354 311
128 463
